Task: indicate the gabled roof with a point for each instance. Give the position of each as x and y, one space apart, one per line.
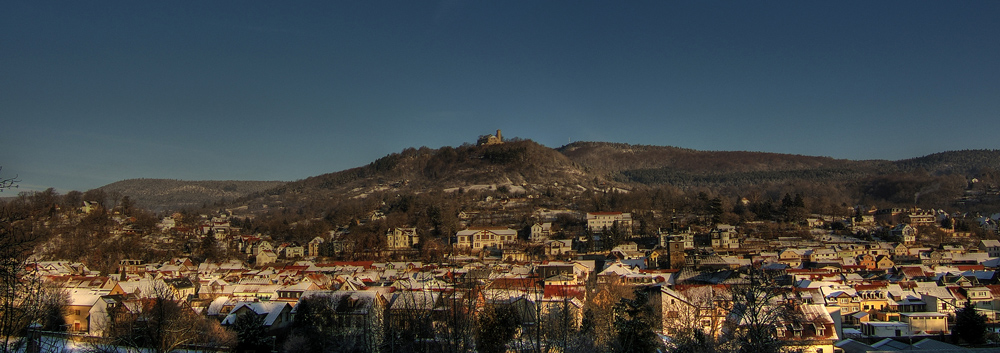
990 243
272 310
852 346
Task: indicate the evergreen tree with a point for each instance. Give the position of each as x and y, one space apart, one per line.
634 324
970 326
251 333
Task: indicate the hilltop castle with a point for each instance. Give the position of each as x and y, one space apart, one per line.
490 139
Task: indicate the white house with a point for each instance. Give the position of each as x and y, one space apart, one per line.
401 238
540 232
599 221
478 238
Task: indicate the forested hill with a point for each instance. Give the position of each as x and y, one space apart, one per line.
605 157
970 162
169 194
529 166
655 165
517 162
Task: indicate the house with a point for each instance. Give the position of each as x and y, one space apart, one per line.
867 261
414 312
905 232
889 216
724 236
990 246
694 307
513 255
813 330
561 311
883 262
315 245
482 237
627 247
294 292
599 221
218 228
885 329
558 247
917 217
685 235
401 238
292 251
77 311
262 245
181 288
107 310
541 232
266 257
791 257
276 314
900 250
90 206
925 323
359 315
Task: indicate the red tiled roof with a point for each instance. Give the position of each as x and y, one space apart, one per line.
868 287
577 291
978 267
489 228
365 264
995 289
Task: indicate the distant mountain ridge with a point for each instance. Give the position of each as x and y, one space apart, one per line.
573 167
670 165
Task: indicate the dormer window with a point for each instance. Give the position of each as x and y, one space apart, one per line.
820 330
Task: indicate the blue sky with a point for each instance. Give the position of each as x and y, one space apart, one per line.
96 92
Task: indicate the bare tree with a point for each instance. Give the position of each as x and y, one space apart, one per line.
341 321
24 298
692 317
7 183
757 310
411 317
598 318
159 323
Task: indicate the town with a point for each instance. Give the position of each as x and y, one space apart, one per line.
566 280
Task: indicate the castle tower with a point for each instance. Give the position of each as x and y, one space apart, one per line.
490 139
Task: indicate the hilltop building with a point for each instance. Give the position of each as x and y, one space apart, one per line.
490 139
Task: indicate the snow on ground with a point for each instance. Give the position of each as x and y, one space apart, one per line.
514 189
53 344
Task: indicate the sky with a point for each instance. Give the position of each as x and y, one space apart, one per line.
94 92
